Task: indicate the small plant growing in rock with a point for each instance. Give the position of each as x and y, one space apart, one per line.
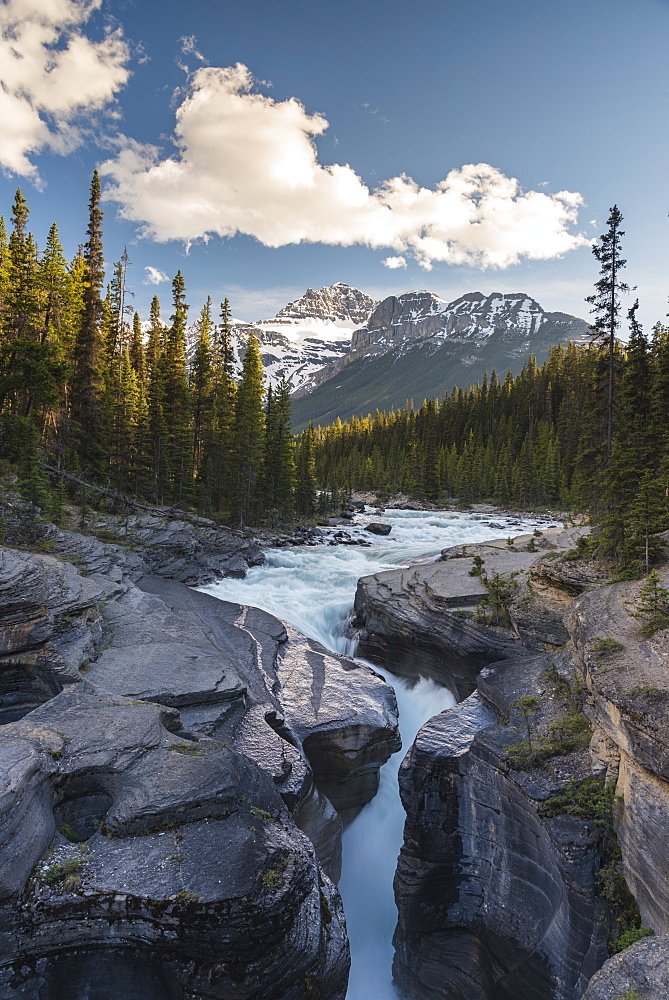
528 706
262 814
601 645
273 878
531 546
509 542
537 533
492 609
630 994
186 897
64 874
189 749
628 938
477 566
646 690
652 604
559 685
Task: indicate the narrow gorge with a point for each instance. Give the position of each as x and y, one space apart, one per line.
180 765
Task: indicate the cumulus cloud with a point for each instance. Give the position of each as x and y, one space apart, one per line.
394 262
51 75
246 163
154 276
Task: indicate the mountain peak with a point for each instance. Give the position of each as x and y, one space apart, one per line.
336 303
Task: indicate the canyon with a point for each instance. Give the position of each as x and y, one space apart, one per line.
180 765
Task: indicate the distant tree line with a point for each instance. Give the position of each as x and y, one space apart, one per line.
587 430
86 389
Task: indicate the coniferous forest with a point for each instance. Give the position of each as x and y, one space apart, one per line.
587 430
84 388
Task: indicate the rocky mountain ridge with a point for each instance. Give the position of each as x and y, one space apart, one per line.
314 338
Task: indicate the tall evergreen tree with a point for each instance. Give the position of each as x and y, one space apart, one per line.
605 302
249 435
88 376
177 398
279 458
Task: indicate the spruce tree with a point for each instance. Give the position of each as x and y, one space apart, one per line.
88 376
279 457
305 487
177 399
605 302
201 374
249 435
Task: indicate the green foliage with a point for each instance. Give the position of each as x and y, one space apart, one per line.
559 686
604 645
273 878
477 566
262 814
187 749
65 875
627 939
590 799
492 609
652 605
567 734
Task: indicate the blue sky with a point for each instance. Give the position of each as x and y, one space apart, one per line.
567 97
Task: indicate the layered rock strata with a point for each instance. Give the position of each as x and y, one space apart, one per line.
170 764
494 899
429 609
498 898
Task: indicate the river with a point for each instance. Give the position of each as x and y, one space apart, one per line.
312 588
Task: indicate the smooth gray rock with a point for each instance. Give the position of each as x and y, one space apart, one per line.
192 854
185 759
644 967
378 528
494 900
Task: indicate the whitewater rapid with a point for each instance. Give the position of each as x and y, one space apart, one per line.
312 588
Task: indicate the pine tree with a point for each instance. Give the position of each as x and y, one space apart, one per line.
652 604
305 488
249 435
279 457
605 302
88 377
177 399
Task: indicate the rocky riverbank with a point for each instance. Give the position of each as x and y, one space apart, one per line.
176 773
509 881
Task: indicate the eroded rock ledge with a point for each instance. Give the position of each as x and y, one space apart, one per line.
172 767
498 899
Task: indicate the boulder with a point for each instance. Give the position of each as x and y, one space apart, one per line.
378 528
643 968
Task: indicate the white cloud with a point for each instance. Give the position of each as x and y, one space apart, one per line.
50 75
246 163
394 262
154 276
189 47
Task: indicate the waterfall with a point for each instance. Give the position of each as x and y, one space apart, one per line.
312 588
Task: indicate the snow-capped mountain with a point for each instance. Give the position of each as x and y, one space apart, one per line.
342 353
418 315
418 345
306 335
